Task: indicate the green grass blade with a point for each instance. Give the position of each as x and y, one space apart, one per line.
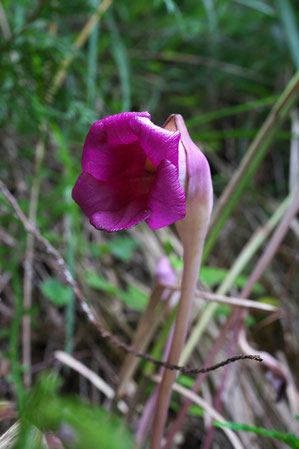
250 163
288 438
258 5
120 56
233 110
287 15
92 64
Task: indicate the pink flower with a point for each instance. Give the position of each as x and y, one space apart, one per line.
130 174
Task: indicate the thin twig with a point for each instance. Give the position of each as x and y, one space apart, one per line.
78 366
230 300
94 378
233 359
88 310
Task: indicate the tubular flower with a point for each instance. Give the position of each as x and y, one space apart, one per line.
130 173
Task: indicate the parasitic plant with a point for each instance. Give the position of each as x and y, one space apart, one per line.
134 170
195 178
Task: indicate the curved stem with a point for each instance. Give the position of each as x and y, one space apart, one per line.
192 260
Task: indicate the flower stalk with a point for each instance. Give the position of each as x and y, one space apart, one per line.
192 230
192 261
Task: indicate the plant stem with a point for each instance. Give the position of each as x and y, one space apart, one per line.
192 260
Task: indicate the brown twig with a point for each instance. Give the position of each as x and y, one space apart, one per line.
29 227
230 300
195 371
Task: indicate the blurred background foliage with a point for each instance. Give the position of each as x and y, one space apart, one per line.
220 63
200 59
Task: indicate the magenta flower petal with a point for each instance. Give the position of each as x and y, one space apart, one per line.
118 128
111 148
166 197
131 173
157 143
123 218
111 205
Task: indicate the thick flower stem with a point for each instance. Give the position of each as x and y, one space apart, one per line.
192 260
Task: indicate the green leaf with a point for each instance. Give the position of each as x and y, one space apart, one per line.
258 6
213 276
134 298
88 427
58 293
195 410
288 438
123 248
119 54
232 110
186 381
287 15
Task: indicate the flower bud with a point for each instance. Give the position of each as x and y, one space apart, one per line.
195 179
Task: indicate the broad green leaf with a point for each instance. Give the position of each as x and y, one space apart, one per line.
87 426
